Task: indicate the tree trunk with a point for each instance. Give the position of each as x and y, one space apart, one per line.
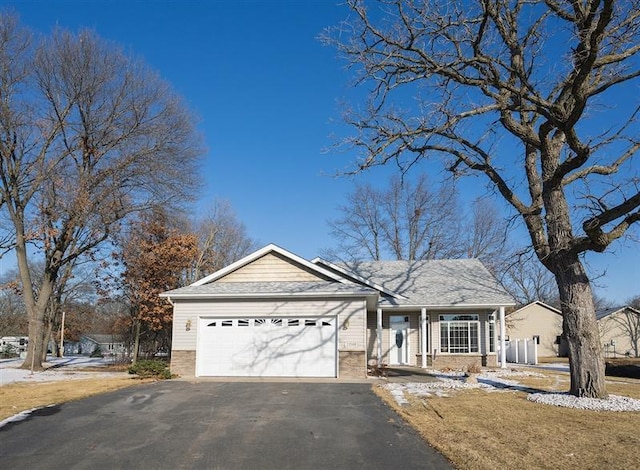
586 363
136 343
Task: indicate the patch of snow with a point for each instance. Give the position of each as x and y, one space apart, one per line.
65 368
20 416
494 380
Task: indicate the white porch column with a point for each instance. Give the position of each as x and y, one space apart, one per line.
503 343
379 336
423 339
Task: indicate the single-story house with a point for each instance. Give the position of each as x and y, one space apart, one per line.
540 322
107 345
619 331
274 313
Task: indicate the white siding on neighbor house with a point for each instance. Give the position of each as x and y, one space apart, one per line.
351 334
271 268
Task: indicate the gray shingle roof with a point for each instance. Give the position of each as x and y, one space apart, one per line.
435 282
230 289
605 312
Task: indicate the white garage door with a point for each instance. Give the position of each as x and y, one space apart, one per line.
267 347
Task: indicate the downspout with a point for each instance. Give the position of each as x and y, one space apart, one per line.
379 335
423 347
503 343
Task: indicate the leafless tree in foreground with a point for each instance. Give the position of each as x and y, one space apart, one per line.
540 98
88 136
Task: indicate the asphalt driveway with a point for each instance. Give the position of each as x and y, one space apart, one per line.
215 425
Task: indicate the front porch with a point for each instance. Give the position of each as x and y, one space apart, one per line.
437 339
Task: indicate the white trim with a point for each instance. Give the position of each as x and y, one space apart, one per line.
503 343
379 335
423 339
267 295
449 306
259 254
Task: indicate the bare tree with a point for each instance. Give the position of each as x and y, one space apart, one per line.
88 136
222 239
527 280
524 94
406 221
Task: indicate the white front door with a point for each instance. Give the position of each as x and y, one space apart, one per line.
399 339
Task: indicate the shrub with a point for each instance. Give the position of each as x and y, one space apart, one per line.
151 368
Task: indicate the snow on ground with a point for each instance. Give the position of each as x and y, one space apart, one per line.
502 379
58 368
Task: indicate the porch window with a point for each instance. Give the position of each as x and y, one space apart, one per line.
459 333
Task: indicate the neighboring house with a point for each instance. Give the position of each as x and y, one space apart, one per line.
619 331
14 344
540 322
274 313
109 345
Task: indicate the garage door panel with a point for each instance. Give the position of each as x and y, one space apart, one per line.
268 347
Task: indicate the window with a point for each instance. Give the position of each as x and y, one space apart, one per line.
293 322
243 322
459 333
536 338
276 321
226 323
309 323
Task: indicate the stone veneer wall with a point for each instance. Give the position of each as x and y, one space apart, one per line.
462 362
183 363
352 365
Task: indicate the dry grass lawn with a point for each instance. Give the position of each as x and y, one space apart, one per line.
477 429
18 397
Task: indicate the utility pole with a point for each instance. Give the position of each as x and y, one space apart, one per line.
61 352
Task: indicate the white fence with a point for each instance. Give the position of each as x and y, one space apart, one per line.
522 351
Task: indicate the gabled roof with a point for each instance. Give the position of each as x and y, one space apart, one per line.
355 277
605 312
433 283
271 248
541 304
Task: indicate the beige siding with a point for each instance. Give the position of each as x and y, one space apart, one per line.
536 320
350 313
613 330
272 268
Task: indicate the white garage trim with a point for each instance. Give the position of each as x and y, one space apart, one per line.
286 346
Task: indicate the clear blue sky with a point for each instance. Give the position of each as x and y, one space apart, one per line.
267 93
